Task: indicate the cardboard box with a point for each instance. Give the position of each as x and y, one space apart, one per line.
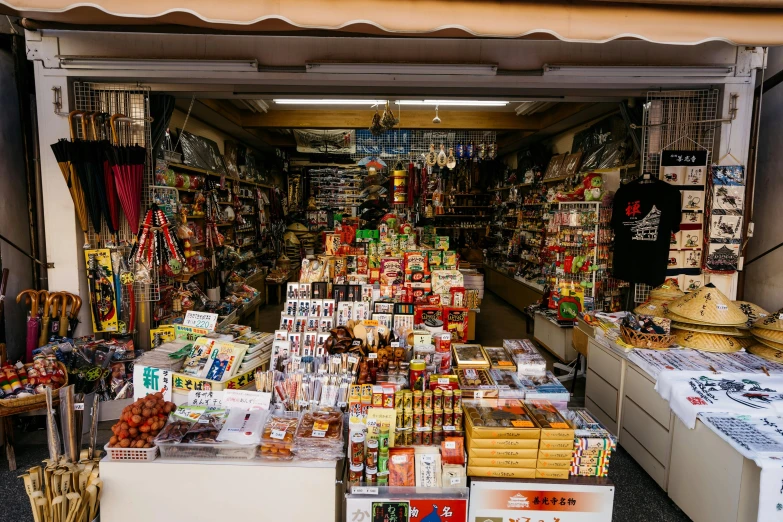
560 454
557 445
475 471
522 432
589 471
553 464
484 453
592 452
590 461
506 463
557 474
553 425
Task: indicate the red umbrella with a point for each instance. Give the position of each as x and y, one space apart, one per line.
127 165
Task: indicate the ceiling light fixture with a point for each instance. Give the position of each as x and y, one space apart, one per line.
455 103
131 64
406 69
637 71
308 101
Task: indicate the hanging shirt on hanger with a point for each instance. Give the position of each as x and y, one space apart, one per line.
644 215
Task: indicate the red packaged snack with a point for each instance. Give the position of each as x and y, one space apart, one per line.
401 467
391 271
456 322
424 312
452 451
361 265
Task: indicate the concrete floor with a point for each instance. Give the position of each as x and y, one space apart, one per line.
637 497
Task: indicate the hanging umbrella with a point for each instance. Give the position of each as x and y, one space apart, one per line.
127 164
161 109
74 317
110 200
32 322
62 152
79 155
92 162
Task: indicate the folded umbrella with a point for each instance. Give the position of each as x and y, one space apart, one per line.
32 322
63 151
45 318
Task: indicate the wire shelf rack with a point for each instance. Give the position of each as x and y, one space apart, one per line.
132 101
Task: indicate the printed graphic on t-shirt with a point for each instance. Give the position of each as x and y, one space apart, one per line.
646 229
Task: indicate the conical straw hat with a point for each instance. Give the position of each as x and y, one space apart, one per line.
706 342
752 311
746 341
710 329
684 320
765 352
770 335
771 321
771 344
710 305
653 307
668 291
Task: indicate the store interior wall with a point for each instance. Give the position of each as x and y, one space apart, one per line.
764 278
14 216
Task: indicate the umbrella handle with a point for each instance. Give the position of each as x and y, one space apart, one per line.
43 297
53 302
32 295
71 116
77 305
112 123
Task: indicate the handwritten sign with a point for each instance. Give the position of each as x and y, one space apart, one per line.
201 320
147 379
246 400
213 399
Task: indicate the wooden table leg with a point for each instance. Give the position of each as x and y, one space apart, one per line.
7 425
266 289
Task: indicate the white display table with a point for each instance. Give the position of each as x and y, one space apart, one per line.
221 490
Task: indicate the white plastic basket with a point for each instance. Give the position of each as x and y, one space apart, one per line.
196 451
132 454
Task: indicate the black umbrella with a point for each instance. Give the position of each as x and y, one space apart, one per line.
161 109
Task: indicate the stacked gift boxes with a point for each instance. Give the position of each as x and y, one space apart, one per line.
593 445
557 439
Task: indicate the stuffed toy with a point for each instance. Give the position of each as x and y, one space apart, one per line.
593 187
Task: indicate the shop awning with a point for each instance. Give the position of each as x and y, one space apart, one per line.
687 22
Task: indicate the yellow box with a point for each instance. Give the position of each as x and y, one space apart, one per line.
557 434
504 463
557 445
522 432
557 474
494 453
503 443
561 454
182 383
553 425
553 464
474 471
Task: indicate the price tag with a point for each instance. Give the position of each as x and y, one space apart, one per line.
372 355
399 459
450 444
395 344
428 459
201 320
443 380
78 406
364 490
352 359
449 428
277 434
478 394
455 481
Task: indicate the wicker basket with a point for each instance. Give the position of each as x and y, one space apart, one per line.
38 400
646 340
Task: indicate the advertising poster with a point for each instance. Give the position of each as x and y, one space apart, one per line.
516 501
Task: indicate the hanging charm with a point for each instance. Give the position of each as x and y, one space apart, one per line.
431 157
451 162
442 159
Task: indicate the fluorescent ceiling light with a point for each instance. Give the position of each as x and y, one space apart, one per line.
306 101
454 103
636 72
413 69
159 65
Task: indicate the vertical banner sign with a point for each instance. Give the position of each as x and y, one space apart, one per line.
727 188
103 300
540 501
147 379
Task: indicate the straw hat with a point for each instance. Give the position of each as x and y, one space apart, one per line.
684 320
706 342
771 321
297 227
771 344
710 329
752 311
765 352
668 291
653 307
746 341
770 335
708 305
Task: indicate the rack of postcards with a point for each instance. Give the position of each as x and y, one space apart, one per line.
577 255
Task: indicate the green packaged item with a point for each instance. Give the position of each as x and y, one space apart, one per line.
435 258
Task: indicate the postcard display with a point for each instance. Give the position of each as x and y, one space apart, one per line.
726 206
687 170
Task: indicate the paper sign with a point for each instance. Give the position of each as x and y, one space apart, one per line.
213 399
147 379
78 406
201 320
246 400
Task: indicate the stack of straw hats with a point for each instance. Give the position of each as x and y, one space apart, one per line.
707 320
660 298
768 332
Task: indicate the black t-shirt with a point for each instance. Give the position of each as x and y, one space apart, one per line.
644 216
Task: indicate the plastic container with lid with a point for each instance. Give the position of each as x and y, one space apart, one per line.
418 370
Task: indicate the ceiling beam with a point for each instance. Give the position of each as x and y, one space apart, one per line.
417 119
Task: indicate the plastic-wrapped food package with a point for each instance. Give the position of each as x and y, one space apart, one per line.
320 435
243 427
179 423
207 428
277 440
